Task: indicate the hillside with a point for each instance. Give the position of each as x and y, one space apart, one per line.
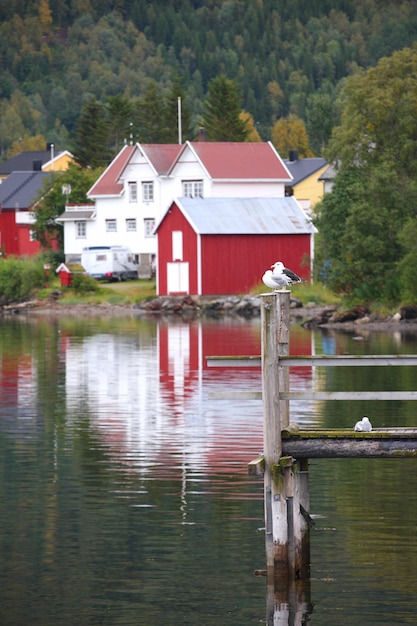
287 57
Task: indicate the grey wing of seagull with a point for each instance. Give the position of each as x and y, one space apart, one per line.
291 275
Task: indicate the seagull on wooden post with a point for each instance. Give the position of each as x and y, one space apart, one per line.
280 277
364 425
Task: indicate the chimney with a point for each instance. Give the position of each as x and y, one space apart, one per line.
37 165
293 155
201 136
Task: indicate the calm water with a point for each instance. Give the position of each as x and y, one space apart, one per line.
124 494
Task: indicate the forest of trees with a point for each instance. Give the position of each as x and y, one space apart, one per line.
288 58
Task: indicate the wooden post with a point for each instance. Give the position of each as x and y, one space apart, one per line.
275 309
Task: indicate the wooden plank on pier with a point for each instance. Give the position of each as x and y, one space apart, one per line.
349 395
324 444
319 360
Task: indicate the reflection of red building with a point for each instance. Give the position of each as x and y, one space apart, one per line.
184 348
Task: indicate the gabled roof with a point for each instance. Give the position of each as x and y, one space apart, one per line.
162 156
244 216
303 168
27 161
21 189
159 156
109 182
221 161
240 160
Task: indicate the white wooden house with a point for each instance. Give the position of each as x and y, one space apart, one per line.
139 185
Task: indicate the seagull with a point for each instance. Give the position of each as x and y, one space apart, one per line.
364 425
278 269
279 277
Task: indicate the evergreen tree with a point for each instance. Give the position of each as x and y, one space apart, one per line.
91 144
221 120
151 117
119 121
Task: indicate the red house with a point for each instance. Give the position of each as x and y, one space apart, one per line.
221 246
18 194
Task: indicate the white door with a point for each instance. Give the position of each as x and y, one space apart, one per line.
177 277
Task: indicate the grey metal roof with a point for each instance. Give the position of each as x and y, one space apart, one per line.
246 216
302 168
21 189
83 214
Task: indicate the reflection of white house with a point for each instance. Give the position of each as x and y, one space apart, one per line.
139 185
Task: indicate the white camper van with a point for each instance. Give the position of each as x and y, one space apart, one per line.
109 262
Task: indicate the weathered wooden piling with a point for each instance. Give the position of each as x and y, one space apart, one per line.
285 479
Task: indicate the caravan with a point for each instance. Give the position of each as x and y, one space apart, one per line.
109 263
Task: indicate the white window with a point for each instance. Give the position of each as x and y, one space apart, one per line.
130 225
80 230
133 191
111 226
177 249
32 236
149 226
192 188
147 192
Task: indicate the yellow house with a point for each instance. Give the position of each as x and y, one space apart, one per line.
37 161
306 185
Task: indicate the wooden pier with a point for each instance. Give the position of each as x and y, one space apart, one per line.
287 450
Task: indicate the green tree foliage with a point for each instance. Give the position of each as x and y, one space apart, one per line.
280 54
365 225
151 117
52 201
222 120
91 144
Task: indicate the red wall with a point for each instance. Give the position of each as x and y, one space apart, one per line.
175 220
15 239
233 264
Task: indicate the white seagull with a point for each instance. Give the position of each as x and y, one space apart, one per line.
364 425
279 277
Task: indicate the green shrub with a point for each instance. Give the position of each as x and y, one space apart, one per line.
81 283
20 278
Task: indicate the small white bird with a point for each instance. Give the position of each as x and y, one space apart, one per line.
364 425
278 269
279 277
275 282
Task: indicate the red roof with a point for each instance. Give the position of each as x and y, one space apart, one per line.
108 184
221 160
238 160
162 156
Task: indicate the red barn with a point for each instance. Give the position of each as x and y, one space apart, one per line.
222 246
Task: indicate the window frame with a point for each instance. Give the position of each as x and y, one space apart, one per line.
109 225
149 231
148 191
133 191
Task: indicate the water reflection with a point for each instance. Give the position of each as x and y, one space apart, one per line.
124 495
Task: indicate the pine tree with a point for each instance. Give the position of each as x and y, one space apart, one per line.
221 120
151 117
91 144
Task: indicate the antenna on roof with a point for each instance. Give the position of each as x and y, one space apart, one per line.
179 122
